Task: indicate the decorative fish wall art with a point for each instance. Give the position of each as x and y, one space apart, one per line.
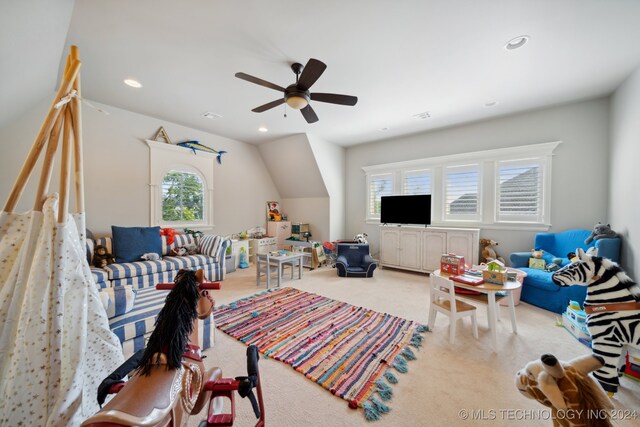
195 145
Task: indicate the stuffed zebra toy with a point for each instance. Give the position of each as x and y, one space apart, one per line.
613 310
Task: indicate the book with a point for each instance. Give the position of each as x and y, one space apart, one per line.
468 279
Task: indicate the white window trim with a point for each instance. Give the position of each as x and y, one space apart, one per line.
165 157
487 160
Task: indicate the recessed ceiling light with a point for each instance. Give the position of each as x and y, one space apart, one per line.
210 115
491 104
133 83
516 42
263 129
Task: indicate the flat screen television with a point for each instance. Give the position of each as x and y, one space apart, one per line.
414 209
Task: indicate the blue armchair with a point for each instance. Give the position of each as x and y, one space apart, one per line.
538 289
353 260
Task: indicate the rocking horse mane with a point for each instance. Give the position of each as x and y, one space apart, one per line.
173 324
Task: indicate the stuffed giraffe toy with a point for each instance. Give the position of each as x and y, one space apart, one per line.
575 399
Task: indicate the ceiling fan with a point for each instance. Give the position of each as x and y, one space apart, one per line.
297 95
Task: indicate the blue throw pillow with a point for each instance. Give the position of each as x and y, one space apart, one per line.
130 243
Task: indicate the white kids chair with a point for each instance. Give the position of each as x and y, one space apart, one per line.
443 300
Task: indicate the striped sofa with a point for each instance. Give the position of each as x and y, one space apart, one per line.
128 289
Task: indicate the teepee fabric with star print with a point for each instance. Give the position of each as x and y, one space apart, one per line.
55 342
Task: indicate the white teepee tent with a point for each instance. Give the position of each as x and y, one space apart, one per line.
55 342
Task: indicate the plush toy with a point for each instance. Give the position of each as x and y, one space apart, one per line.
552 266
600 231
361 238
566 388
537 253
487 253
195 233
180 251
169 233
102 258
151 256
572 256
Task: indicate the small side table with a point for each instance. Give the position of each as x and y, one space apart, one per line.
277 261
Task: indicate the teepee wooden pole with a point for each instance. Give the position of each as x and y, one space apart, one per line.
41 139
65 167
76 115
47 164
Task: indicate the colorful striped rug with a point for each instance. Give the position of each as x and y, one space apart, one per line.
351 351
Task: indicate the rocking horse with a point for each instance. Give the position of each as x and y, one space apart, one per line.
169 382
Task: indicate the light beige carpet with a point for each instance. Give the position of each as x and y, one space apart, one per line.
446 382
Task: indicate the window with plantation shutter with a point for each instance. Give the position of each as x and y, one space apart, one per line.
416 182
462 193
520 191
379 185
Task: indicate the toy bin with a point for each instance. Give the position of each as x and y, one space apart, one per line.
520 275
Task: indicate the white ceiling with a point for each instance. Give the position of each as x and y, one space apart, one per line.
400 58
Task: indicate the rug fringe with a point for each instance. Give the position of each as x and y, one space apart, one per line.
384 390
390 377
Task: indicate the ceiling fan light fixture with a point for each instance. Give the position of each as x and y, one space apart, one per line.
297 102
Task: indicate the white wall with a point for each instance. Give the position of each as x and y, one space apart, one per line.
580 164
295 171
331 162
311 210
117 169
624 184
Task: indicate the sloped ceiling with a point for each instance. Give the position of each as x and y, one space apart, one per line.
32 39
293 167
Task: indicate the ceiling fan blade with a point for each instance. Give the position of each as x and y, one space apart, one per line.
334 98
310 73
260 82
268 105
309 115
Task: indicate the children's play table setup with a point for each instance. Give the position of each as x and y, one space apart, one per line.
486 284
278 259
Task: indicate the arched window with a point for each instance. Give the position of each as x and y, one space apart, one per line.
183 196
181 187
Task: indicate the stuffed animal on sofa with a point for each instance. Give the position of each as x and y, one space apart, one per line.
102 258
150 256
537 253
566 388
487 253
600 231
180 251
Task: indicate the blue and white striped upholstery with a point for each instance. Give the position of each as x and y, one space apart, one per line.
122 299
100 276
150 280
212 246
133 328
138 268
180 240
189 261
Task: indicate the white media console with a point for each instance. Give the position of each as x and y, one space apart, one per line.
420 248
